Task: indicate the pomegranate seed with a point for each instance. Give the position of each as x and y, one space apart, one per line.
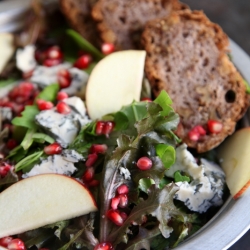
5 169
64 78
54 52
108 48
93 183
214 127
98 148
51 62
104 246
61 96
52 149
115 202
144 163
63 108
11 143
146 99
193 135
91 160
99 127
26 87
123 189
88 175
200 130
16 244
115 217
108 127
83 61
44 105
124 216
5 241
123 200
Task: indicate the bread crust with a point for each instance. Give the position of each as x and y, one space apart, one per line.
78 14
187 57
122 22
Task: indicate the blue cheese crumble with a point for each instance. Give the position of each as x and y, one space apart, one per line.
207 181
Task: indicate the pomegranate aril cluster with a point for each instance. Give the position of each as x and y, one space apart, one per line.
213 127
104 127
119 201
12 244
4 169
49 57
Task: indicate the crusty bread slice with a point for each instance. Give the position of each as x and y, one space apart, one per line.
78 13
187 56
122 22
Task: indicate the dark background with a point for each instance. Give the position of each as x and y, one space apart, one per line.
234 17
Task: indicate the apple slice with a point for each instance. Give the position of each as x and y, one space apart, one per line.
235 157
114 82
41 200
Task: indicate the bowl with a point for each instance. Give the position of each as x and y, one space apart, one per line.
233 219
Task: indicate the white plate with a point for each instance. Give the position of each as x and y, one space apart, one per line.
233 219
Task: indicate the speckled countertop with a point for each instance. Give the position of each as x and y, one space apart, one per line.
234 17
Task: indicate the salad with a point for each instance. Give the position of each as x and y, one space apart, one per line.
148 190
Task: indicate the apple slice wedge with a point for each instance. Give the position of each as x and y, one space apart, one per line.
235 158
41 200
114 82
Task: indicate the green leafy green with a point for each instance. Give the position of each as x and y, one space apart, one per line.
49 93
84 44
167 154
179 177
9 81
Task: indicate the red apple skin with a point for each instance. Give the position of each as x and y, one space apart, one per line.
242 191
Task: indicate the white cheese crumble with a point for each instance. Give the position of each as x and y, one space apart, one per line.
72 155
207 181
53 164
44 76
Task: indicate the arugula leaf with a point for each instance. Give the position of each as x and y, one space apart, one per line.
9 81
41 138
84 44
49 93
27 118
167 154
179 177
28 139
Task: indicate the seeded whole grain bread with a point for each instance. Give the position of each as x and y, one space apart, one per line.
187 57
78 13
121 22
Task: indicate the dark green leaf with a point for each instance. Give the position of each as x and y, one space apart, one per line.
84 44
49 93
167 154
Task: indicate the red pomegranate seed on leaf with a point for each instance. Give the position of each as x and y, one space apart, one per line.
108 48
16 244
44 105
214 126
5 241
83 61
123 189
61 96
63 108
99 127
144 163
91 160
115 217
115 202
108 128
11 144
104 246
89 174
98 148
52 149
123 200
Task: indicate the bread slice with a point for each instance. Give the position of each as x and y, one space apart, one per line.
78 13
187 57
122 22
